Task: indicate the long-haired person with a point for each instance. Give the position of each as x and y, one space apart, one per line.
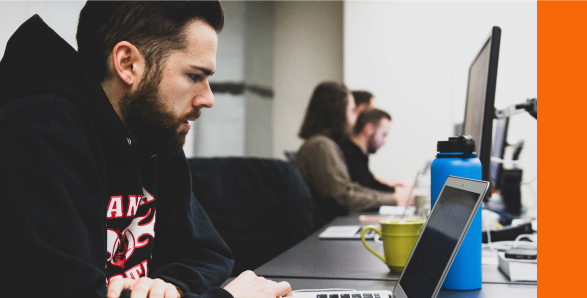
328 120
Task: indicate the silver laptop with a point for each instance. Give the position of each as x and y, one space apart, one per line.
428 264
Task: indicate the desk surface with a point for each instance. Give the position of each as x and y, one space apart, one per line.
345 259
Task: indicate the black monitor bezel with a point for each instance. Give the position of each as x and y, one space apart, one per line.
489 113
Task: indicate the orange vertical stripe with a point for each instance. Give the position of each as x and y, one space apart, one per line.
562 86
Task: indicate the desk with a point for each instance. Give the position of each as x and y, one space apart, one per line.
346 259
315 263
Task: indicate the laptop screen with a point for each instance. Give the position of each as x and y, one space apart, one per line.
438 241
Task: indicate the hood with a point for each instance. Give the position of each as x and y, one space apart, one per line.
38 61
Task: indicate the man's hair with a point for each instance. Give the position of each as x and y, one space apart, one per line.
155 28
372 116
326 112
362 97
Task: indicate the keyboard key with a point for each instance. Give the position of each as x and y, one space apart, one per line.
345 296
357 296
376 295
334 296
322 296
367 295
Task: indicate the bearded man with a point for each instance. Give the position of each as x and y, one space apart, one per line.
95 185
369 134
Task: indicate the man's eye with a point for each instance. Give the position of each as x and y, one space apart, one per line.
195 77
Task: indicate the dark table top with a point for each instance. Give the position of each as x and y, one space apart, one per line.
345 259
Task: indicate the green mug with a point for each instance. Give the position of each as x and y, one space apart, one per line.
399 238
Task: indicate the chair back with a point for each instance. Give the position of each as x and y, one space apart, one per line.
260 207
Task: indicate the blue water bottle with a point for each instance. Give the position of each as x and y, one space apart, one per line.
457 157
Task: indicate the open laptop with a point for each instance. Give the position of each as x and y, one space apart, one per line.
436 248
353 232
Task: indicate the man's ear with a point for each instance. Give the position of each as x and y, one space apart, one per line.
369 129
128 63
360 108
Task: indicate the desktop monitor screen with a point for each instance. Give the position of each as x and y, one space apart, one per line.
498 150
480 111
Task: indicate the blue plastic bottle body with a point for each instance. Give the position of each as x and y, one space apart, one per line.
465 272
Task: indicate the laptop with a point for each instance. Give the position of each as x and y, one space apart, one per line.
353 232
436 248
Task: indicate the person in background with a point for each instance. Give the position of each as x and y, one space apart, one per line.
369 134
364 100
95 184
328 120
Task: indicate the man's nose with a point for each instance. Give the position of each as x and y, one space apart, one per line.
205 99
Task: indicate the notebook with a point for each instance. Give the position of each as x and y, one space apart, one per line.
352 232
436 247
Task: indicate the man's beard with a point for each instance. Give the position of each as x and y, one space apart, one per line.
153 127
371 145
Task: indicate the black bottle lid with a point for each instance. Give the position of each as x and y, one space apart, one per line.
460 144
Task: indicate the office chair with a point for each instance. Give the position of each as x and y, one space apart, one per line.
290 155
260 207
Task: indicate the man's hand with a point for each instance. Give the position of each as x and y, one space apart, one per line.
142 288
402 195
249 285
388 182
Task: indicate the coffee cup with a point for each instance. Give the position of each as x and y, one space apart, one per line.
399 238
422 203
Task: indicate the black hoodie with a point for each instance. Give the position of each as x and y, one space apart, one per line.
81 203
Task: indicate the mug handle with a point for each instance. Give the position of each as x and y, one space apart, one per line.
365 229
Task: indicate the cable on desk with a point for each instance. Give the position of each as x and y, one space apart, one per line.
488 236
505 245
526 236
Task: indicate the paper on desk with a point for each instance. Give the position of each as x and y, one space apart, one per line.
489 257
397 210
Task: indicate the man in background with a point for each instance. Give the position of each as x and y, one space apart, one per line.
363 101
95 184
368 135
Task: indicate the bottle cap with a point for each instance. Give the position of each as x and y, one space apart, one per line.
460 144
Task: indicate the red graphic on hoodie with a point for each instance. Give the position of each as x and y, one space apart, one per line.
121 245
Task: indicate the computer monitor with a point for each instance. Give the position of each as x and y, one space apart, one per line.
498 150
480 110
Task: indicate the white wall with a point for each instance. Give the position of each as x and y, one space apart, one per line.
220 130
60 15
414 56
240 124
307 51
